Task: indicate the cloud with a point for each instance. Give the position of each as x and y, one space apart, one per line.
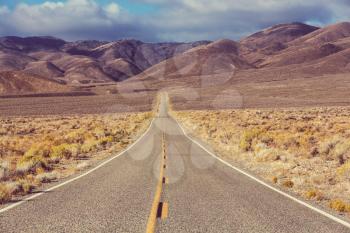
73 19
176 20
112 9
195 20
212 19
4 10
4 15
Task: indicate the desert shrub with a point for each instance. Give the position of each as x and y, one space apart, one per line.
327 146
288 184
119 134
99 133
314 151
25 186
65 150
46 177
87 136
39 170
341 150
124 142
14 187
4 170
267 139
314 194
288 142
339 205
89 145
268 155
29 163
259 147
5 195
318 179
274 179
344 170
76 136
247 138
39 149
82 166
304 141
104 141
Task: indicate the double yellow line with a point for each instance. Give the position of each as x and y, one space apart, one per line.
159 208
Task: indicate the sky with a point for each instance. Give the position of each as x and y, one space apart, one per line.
161 20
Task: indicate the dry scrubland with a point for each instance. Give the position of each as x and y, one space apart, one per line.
36 150
304 150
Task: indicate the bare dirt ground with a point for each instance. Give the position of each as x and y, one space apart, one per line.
80 104
259 90
37 150
305 150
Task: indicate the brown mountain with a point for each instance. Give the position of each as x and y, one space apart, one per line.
259 46
44 69
328 34
11 61
217 57
282 65
84 61
226 56
20 83
126 58
277 35
301 54
313 47
278 56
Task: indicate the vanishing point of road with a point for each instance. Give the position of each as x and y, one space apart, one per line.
164 183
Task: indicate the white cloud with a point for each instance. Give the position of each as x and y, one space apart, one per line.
56 17
4 14
191 19
4 10
72 19
113 9
52 5
176 20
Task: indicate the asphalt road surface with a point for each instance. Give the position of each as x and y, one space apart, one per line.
198 194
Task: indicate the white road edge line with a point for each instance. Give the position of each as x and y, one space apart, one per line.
330 216
78 177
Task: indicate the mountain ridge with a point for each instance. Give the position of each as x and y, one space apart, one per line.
93 61
298 48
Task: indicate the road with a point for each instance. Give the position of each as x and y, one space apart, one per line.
198 194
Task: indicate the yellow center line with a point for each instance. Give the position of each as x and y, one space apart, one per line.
152 219
165 210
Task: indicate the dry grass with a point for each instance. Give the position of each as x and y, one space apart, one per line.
36 150
306 150
339 205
